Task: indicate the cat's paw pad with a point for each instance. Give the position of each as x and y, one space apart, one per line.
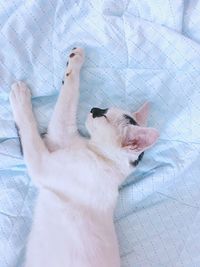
76 59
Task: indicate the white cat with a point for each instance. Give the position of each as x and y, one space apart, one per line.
78 178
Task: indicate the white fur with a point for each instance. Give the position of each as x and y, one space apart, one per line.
77 178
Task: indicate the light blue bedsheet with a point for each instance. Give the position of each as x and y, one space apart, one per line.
136 50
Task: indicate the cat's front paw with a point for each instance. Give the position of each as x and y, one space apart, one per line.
76 59
20 100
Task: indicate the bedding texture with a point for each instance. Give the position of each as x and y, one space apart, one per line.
136 50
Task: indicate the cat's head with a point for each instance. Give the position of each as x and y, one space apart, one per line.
118 128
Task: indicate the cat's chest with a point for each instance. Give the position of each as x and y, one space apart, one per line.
75 162
77 175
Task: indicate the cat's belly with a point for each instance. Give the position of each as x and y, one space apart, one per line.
64 236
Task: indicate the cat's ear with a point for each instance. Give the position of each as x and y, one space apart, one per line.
138 138
141 114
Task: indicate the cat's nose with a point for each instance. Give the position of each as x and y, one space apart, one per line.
98 112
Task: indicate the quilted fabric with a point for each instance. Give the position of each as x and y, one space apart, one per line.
136 50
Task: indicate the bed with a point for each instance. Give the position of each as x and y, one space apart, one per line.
136 50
